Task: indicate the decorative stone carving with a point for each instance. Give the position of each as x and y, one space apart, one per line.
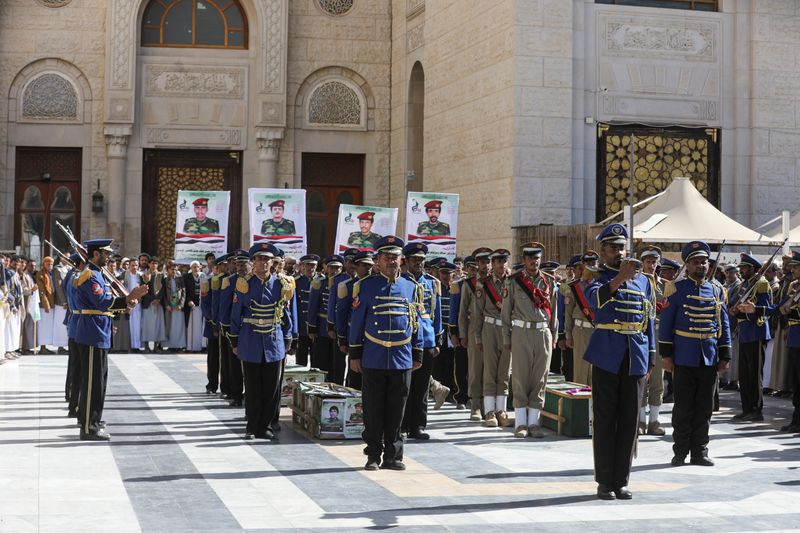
194 81
662 37
414 8
268 141
272 112
117 137
54 3
703 111
50 96
415 37
273 45
122 42
193 137
334 103
336 7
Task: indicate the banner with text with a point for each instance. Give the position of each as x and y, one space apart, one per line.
360 226
279 216
432 218
201 225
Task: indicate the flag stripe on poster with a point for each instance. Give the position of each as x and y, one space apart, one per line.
360 226
432 218
279 216
201 225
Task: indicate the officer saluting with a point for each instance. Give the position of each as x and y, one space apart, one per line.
94 306
695 343
385 345
622 351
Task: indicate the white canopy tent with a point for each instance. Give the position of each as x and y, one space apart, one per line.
681 214
775 229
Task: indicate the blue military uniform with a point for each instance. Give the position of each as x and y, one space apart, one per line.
695 334
344 309
217 374
261 333
73 381
621 351
460 354
235 383
443 363
338 359
384 336
303 289
322 354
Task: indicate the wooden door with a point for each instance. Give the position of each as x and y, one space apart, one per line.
329 180
168 171
47 189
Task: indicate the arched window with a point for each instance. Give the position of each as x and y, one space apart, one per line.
194 24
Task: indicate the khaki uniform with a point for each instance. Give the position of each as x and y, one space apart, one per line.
489 329
578 329
467 327
530 332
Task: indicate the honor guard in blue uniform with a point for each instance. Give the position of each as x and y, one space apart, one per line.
344 300
694 339
277 269
241 259
442 381
622 351
261 334
223 263
322 352
653 391
308 268
208 301
385 345
460 354
73 384
431 331
338 358
94 306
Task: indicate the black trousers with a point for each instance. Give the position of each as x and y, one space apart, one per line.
794 380
384 394
94 375
338 364
225 355
615 401
72 386
321 354
303 349
263 381
443 367
693 390
567 363
212 364
353 379
235 375
751 375
461 375
277 418
416 411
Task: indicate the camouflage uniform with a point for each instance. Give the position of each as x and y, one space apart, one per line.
208 225
439 228
284 227
359 240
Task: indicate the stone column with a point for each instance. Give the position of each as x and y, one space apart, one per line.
268 141
117 136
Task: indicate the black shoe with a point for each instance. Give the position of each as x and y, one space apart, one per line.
668 398
418 435
267 435
210 391
372 463
604 492
276 426
72 413
393 465
791 428
249 436
753 416
235 403
623 493
701 460
740 416
101 435
678 460
101 424
731 386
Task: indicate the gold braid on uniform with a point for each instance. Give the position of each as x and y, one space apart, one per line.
287 291
718 303
415 307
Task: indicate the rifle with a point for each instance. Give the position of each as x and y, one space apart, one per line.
716 262
61 254
116 287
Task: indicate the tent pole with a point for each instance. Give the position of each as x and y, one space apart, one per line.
786 230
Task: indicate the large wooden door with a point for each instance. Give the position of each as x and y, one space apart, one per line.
168 171
47 190
329 180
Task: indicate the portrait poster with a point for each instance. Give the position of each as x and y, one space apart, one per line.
353 418
361 226
279 216
432 218
201 225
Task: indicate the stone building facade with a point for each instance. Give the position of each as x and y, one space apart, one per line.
526 108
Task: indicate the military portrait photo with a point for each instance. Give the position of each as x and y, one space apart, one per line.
331 422
200 223
365 237
277 225
433 226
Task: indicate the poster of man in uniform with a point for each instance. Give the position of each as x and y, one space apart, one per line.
432 218
279 216
361 226
201 224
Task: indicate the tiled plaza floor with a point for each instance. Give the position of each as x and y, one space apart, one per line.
177 463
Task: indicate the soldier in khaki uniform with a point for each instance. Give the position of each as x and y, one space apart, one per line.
579 317
530 325
467 330
654 386
489 331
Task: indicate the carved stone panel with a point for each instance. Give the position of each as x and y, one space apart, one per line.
661 40
334 103
50 96
194 81
415 37
54 3
192 137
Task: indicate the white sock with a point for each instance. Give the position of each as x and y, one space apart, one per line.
488 404
520 417
654 409
642 415
533 416
501 402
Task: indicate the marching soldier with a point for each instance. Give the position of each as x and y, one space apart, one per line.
308 268
621 351
322 351
460 354
579 317
241 259
260 335
339 357
365 237
277 225
363 262
654 386
433 226
200 224
467 327
489 330
695 343
385 346
530 329
431 331
94 307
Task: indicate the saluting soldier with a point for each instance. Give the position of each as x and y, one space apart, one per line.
322 351
261 334
653 394
695 343
363 262
339 358
241 259
277 225
621 351
200 223
460 353
385 345
530 328
365 237
308 269
433 226
489 330
578 315
467 328
94 307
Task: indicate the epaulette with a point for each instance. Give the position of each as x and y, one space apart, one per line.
455 287
590 274
437 286
670 288
82 278
547 274
316 284
287 287
215 283
341 290
357 287
514 275
763 286
242 285
204 287
564 287
226 282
